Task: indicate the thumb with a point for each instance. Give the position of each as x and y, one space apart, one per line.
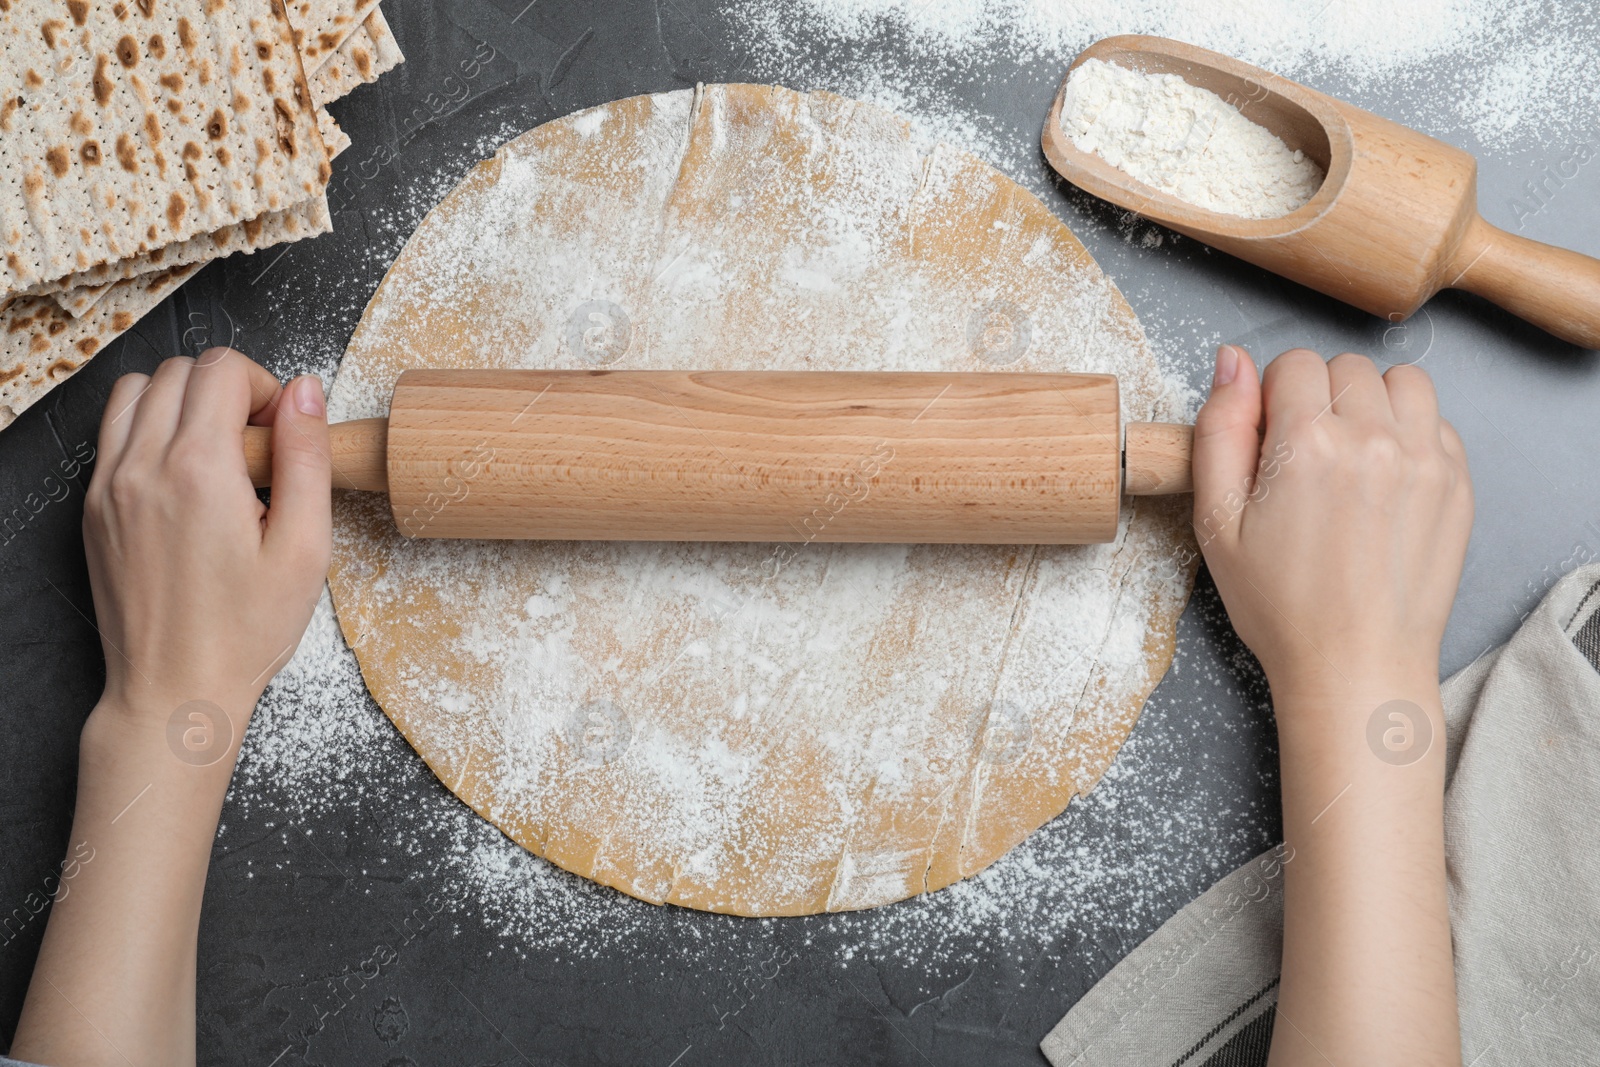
300 519
1227 446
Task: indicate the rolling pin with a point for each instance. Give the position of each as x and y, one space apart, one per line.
981 458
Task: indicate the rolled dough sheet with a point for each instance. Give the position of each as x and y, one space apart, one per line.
755 729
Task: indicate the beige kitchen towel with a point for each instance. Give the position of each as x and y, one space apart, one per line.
1523 786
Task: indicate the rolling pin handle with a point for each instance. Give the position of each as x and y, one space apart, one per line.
1156 459
359 454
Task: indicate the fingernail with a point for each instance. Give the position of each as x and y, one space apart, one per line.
308 395
1227 365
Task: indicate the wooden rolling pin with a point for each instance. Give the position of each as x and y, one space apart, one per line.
983 458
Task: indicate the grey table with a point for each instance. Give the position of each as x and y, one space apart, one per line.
297 898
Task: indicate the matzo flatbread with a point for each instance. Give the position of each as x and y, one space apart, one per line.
41 345
369 52
128 125
76 302
332 136
306 219
321 26
77 294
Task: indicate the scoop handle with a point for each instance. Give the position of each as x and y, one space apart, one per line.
359 454
1556 289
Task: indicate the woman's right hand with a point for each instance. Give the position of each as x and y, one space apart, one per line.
1333 506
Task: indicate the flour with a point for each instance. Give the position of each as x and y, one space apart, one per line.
744 727
1510 73
319 751
1510 80
1163 824
1184 140
1368 36
589 123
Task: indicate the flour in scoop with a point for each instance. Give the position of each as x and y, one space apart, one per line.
1186 141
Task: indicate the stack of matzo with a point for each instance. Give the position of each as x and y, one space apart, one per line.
140 139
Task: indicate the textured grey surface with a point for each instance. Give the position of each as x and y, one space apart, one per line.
298 899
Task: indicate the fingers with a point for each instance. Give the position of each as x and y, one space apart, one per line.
224 388
1357 389
264 406
1295 388
265 413
1413 401
117 421
300 520
155 419
1227 444
1453 446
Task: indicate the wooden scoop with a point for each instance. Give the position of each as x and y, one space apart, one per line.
984 458
1395 221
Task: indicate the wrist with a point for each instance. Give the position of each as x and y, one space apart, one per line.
1314 675
1372 753
1390 712
163 733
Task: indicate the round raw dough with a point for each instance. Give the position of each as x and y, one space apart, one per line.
752 728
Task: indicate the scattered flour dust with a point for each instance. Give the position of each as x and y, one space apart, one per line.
1184 140
695 690
1507 78
318 743
1368 36
589 122
1516 73
319 749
